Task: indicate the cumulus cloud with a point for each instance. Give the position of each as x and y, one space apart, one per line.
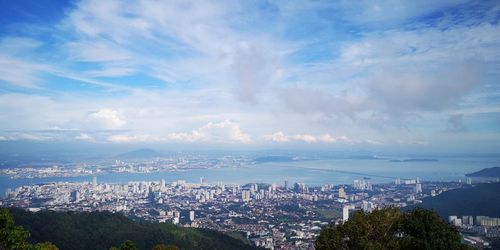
85 137
217 133
105 119
307 138
222 132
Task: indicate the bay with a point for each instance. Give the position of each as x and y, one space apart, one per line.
313 172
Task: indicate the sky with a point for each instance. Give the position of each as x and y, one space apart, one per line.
340 75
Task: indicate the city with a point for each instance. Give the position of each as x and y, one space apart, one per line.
273 216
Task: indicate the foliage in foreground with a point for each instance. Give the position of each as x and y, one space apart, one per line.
389 228
15 237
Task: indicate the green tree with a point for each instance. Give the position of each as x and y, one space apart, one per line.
14 237
165 247
390 228
126 245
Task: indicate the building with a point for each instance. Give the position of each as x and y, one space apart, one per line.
418 188
345 213
74 196
397 181
342 193
468 220
94 183
300 187
362 185
486 221
245 195
191 215
367 206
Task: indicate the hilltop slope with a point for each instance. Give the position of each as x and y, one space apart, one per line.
102 230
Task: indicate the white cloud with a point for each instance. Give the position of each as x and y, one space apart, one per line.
307 138
85 137
225 132
222 132
105 119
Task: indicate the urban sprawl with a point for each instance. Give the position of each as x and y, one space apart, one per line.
274 216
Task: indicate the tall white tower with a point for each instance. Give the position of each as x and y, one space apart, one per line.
94 183
345 214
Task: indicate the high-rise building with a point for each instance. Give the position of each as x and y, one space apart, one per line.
469 181
202 181
75 196
397 181
245 195
162 183
94 183
191 215
418 188
345 214
300 187
467 220
342 193
286 185
362 185
367 206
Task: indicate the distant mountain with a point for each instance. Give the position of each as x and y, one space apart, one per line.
102 230
139 154
483 199
274 159
486 172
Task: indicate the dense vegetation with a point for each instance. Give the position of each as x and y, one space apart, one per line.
482 199
13 236
104 230
390 228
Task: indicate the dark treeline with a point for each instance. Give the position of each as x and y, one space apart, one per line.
104 230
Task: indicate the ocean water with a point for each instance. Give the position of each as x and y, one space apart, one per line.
313 173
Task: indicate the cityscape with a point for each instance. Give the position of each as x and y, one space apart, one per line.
269 215
261 124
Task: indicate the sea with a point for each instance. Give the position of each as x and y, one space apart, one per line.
310 172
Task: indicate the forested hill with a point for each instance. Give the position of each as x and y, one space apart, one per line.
102 230
493 172
481 199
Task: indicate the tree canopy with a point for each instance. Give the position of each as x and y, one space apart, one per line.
390 228
15 237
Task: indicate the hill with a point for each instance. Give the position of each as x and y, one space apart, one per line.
482 199
486 172
102 230
139 154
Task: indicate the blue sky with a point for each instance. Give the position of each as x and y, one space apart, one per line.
377 75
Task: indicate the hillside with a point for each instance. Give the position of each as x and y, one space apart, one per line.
486 172
102 230
482 199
